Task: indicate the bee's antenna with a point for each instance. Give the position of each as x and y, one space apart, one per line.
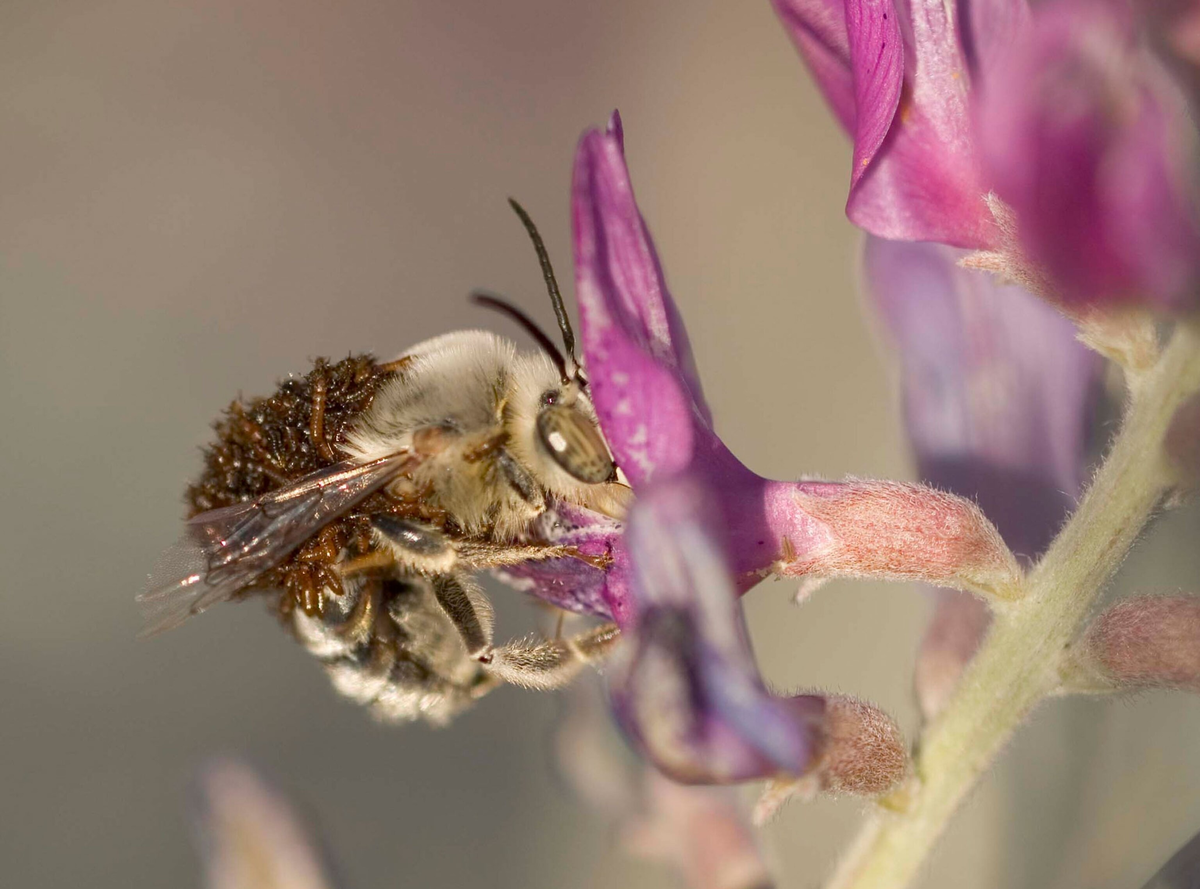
500 304
556 300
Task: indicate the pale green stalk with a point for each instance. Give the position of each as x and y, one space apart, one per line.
1017 665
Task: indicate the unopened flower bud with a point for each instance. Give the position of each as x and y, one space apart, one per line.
1144 642
897 531
862 753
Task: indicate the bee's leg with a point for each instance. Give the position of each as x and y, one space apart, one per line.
596 643
422 546
469 611
316 425
546 664
370 561
520 479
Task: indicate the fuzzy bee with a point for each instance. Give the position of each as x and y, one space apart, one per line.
364 495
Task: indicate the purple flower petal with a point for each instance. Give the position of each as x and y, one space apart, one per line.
877 62
925 184
997 394
916 174
687 689
818 28
576 584
987 30
645 387
996 388
1084 137
703 528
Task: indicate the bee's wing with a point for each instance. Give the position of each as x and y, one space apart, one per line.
223 550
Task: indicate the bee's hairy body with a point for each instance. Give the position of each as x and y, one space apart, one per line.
382 594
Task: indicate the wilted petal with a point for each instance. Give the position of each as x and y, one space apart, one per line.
1085 138
249 836
687 688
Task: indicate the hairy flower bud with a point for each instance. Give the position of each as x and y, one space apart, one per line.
1144 642
862 752
906 532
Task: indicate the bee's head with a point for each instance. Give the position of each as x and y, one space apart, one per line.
552 423
553 431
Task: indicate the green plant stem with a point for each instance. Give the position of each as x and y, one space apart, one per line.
1017 665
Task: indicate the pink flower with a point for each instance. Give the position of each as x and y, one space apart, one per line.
1064 114
1086 139
898 76
703 528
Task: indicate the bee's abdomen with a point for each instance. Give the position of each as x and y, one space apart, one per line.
265 443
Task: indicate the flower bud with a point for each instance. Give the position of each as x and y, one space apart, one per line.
897 531
1144 642
862 752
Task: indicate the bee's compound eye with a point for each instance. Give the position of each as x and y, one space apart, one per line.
572 441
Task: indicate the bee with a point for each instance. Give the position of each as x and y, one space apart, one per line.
363 496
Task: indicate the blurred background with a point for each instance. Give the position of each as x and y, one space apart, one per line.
197 198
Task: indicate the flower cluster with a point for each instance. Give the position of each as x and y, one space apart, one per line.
704 529
1053 140
1024 179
